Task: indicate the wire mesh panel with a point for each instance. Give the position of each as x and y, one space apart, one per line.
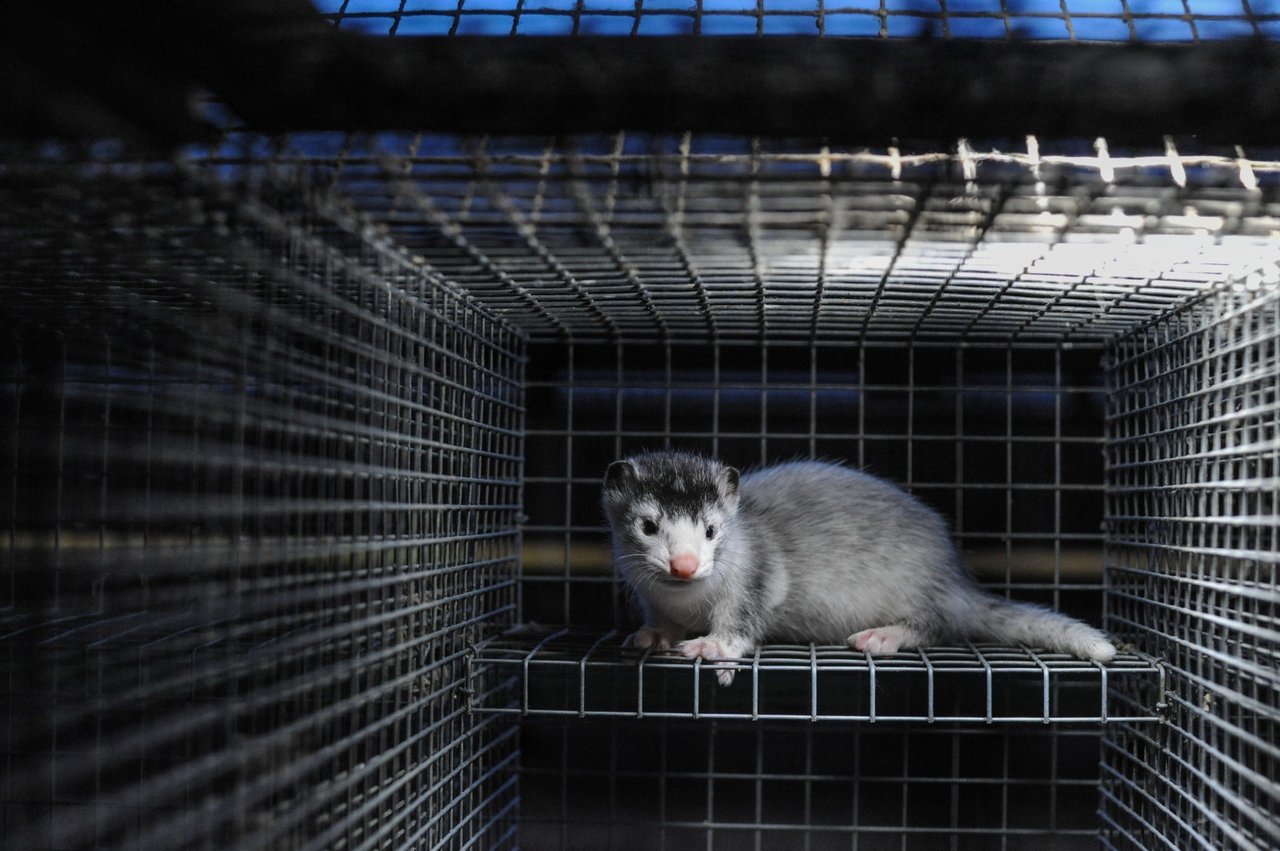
646 237
266 469
1074 20
740 785
262 482
1194 474
937 318
1004 442
582 673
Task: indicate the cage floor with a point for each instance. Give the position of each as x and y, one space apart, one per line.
584 673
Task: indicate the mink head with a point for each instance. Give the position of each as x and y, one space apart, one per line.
669 512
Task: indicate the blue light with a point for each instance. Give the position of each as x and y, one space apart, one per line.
728 25
1162 30
1152 20
852 25
484 25
1039 28
790 25
1214 30
728 5
992 6
1216 7
666 25
675 5
1100 29
544 24
977 27
606 24
425 25
609 5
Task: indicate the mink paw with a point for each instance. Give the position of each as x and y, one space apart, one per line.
879 641
647 636
711 650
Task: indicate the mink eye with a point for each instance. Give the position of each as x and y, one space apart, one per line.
711 532
649 527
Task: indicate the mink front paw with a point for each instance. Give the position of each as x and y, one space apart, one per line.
712 650
648 636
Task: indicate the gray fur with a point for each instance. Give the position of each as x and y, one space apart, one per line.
805 551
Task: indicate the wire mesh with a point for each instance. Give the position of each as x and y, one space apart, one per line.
640 237
262 486
581 673
1147 21
631 784
1193 463
1004 441
287 462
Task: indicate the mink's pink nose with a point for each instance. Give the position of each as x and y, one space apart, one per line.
684 567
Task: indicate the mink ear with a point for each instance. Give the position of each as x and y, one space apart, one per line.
620 474
727 481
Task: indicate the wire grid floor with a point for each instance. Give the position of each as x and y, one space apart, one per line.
591 674
1146 21
1194 572
261 486
634 236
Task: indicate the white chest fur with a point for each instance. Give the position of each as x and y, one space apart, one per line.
688 604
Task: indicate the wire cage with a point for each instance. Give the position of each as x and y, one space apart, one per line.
304 433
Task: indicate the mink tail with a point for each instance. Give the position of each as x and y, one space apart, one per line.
1014 622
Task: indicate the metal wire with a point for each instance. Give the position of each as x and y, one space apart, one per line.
1193 478
582 674
669 784
262 494
266 459
640 237
1020 19
1004 441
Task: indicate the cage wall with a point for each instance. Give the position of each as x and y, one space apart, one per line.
740 785
955 343
1193 477
1004 441
262 489
347 403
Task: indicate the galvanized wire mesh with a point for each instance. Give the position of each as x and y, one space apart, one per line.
266 458
639 237
631 784
1047 20
261 484
1193 479
1004 441
586 673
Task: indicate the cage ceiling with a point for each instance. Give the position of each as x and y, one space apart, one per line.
643 236
1029 172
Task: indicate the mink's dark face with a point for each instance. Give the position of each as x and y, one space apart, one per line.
668 512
